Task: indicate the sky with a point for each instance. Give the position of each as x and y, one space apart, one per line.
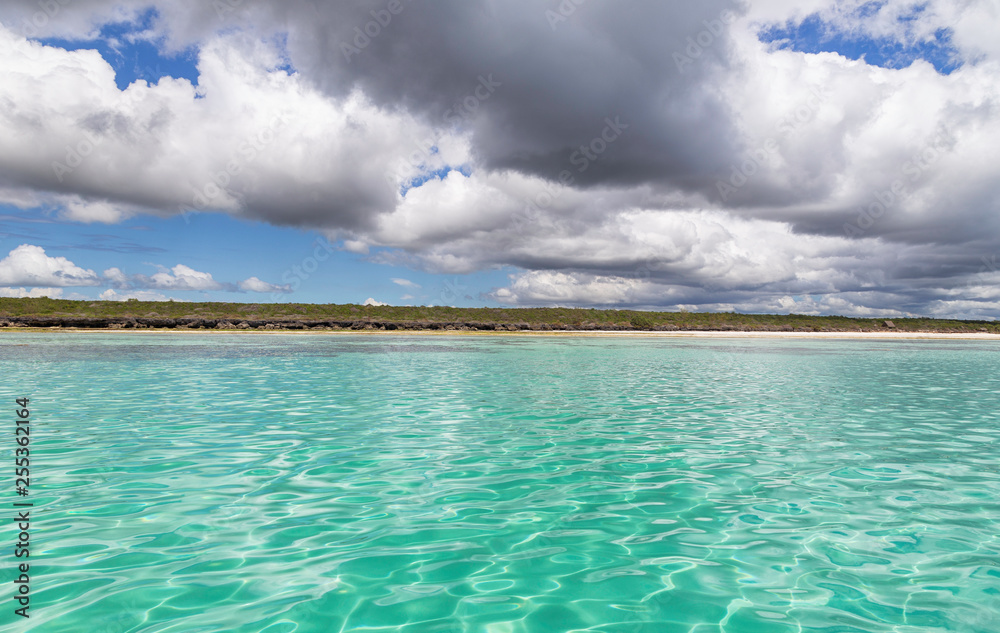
771 156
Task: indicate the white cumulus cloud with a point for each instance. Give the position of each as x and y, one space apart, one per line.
141 295
182 277
406 283
20 293
254 284
28 265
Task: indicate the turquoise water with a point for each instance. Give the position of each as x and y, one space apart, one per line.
279 483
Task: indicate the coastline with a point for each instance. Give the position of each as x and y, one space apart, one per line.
71 315
973 336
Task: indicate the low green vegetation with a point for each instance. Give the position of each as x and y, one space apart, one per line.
522 318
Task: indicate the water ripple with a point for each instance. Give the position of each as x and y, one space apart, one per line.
507 485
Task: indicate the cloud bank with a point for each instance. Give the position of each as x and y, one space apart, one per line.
635 154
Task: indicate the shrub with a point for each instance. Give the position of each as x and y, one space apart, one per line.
641 322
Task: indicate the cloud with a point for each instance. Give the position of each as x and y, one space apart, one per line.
117 278
294 145
101 154
79 210
29 265
52 293
406 283
141 295
256 285
635 154
180 277
909 22
355 246
561 289
371 302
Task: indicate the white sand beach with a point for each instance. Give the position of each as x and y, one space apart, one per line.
978 336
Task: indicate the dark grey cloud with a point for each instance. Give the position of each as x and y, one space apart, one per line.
559 80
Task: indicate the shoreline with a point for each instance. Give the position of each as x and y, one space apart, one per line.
678 334
62 314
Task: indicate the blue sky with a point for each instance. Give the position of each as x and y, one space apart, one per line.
133 57
233 250
814 35
639 224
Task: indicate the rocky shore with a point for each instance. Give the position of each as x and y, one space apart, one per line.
194 323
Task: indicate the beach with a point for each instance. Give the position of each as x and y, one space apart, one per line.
969 336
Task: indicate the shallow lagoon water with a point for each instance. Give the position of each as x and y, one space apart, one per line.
287 483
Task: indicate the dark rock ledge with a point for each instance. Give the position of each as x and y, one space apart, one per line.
236 324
